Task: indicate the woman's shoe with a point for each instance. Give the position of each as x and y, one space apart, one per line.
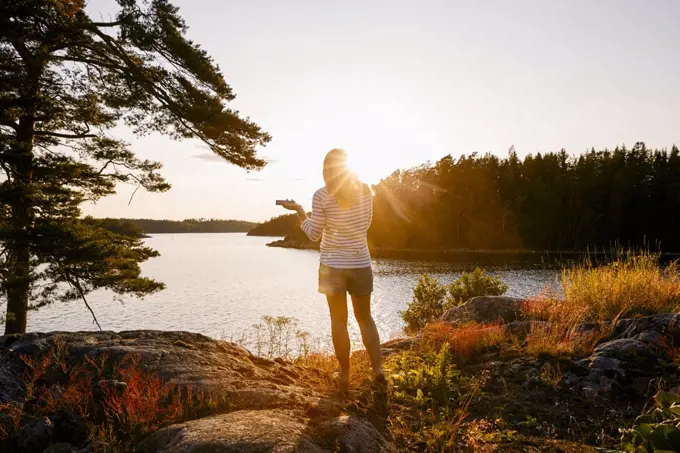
343 384
379 380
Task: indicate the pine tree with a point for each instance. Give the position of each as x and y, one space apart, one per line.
65 81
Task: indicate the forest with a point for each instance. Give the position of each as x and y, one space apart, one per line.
552 201
140 227
282 225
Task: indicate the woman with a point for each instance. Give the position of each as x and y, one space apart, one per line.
341 214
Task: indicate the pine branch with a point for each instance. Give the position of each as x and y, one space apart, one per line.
76 284
60 135
133 193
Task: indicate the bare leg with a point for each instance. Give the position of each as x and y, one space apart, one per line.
338 308
369 332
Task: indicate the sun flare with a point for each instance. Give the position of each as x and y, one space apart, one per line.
367 168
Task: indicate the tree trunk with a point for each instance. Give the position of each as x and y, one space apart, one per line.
18 283
18 288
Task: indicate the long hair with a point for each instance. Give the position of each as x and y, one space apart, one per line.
340 181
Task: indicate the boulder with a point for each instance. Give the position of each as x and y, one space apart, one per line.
352 435
60 448
70 428
275 431
486 309
34 437
10 387
667 324
272 409
183 358
631 351
396 345
612 366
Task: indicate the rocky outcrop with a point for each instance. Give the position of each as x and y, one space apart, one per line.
627 358
270 407
182 358
279 431
485 309
294 243
397 345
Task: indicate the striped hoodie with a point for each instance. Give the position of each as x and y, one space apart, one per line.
344 244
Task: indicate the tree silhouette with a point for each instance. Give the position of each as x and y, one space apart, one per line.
65 81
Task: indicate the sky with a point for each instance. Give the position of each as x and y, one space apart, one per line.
398 83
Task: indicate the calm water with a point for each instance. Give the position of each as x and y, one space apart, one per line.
221 284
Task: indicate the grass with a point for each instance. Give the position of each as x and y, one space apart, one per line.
466 341
629 286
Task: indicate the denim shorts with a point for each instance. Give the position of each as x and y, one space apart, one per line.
356 282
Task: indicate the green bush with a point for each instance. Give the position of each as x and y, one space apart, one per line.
431 298
658 432
428 380
427 304
475 284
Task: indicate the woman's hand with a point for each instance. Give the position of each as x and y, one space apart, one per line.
291 206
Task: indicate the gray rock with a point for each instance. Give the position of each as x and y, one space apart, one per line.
272 410
605 364
486 309
60 448
220 367
34 437
352 435
10 387
396 345
627 350
610 367
667 324
275 431
241 431
70 428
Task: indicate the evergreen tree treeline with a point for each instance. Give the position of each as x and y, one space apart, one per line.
553 201
139 227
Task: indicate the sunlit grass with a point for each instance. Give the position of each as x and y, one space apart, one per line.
631 285
465 341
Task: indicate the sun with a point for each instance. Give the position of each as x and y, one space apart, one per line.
367 169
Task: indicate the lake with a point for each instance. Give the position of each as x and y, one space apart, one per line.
222 284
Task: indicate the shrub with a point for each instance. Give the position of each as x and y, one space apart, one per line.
427 304
431 298
275 336
475 284
658 431
429 399
428 379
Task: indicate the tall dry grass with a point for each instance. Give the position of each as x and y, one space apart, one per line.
632 284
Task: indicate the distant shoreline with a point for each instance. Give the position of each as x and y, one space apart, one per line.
538 257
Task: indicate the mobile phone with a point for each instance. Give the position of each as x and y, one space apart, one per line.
282 202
